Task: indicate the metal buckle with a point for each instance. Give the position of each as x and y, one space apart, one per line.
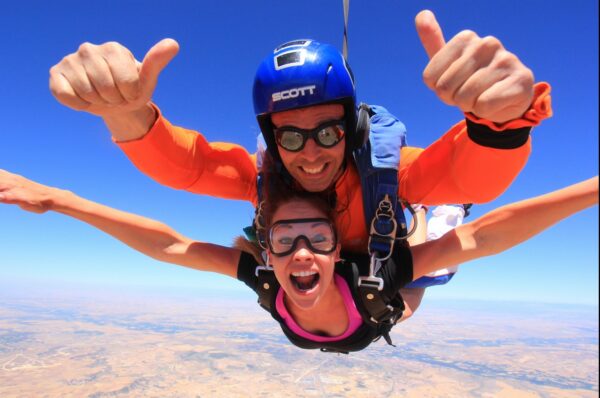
391 321
384 210
372 280
262 268
403 225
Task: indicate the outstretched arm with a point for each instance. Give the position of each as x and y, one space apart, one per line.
147 236
106 80
477 159
503 228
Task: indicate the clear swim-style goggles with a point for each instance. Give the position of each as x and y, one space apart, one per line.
318 235
326 135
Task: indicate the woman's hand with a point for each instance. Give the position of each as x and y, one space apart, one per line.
29 195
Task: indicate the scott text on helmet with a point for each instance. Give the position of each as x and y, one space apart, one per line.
293 93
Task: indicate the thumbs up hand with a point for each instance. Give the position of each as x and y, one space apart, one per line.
475 74
106 80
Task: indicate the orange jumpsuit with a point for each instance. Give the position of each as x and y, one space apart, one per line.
454 169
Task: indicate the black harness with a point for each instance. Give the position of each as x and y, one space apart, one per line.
379 304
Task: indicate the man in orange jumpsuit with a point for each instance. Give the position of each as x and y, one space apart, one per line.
311 128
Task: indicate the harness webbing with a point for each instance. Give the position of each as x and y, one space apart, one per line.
267 286
377 164
379 313
379 308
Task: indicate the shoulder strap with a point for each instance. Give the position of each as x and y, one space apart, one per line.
260 278
377 163
380 308
266 287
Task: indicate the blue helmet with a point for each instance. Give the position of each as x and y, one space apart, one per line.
303 73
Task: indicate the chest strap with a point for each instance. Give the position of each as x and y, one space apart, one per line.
382 311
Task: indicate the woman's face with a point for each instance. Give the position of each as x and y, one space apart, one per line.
304 274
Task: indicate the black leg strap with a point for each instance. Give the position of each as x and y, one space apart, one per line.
374 302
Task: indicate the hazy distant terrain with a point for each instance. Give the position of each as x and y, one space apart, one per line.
114 345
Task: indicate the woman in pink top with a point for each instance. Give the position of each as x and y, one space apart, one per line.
314 298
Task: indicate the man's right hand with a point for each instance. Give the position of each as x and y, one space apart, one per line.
476 74
106 80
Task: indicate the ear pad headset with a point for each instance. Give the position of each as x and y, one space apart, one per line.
363 125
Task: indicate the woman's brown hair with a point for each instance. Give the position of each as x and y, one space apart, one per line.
277 190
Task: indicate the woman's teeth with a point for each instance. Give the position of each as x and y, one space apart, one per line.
303 273
304 280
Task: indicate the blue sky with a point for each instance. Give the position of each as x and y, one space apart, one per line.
208 88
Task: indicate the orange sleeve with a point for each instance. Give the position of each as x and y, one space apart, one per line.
455 169
183 159
540 109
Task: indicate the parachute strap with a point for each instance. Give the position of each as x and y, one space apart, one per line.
371 280
378 306
382 234
385 212
266 286
377 163
388 339
345 42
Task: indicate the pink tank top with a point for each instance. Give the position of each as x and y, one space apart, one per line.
355 320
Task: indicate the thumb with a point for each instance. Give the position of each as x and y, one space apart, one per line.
430 32
156 59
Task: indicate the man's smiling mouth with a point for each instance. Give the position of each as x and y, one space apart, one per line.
315 169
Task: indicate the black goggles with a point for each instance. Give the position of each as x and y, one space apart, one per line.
318 234
325 135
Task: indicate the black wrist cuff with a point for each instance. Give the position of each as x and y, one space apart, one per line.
507 139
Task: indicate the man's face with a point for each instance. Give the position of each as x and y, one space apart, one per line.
314 167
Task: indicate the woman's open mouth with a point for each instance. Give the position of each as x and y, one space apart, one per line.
304 281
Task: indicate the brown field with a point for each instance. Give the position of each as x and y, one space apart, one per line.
141 346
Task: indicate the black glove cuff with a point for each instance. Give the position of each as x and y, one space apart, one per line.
507 139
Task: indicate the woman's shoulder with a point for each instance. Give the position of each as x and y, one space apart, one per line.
246 271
